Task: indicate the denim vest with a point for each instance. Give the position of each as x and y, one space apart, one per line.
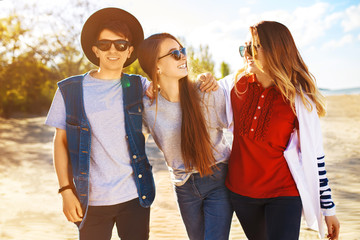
78 134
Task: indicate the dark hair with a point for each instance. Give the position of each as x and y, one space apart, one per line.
117 27
196 147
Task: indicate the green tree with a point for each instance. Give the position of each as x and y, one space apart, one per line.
59 45
11 31
28 86
224 69
33 60
200 62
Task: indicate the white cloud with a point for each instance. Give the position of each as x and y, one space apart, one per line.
308 23
244 11
338 43
305 23
223 36
333 18
352 18
358 37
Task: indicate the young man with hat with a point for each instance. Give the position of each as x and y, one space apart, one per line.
99 149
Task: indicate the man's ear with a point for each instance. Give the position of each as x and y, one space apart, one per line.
95 50
131 49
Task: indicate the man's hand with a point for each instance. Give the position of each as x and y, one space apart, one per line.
71 206
333 226
209 83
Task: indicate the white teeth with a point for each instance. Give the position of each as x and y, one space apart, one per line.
182 66
113 58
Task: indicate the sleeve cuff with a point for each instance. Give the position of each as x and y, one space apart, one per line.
329 212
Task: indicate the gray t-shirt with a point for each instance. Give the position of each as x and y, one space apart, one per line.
111 175
167 130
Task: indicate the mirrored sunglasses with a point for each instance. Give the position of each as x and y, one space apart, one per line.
105 45
247 48
175 54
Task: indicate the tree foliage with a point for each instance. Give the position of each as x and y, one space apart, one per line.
224 69
32 62
200 61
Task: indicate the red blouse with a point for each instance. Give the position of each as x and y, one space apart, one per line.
263 123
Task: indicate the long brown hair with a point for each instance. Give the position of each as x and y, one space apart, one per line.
285 64
196 147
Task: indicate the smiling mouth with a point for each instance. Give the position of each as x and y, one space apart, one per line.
182 66
250 61
113 58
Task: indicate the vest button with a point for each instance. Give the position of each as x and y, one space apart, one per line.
139 176
126 137
134 156
143 197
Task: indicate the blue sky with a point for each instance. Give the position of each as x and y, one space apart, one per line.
326 32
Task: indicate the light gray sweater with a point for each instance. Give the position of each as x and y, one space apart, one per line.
167 130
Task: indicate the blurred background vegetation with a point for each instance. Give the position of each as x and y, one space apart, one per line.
33 58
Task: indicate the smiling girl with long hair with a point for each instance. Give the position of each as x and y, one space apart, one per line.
188 128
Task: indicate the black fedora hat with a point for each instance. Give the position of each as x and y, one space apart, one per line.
92 24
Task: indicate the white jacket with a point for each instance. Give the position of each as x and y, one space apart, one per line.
301 157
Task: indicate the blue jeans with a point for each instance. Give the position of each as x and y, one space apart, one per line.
276 218
205 205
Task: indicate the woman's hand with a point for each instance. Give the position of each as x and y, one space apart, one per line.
209 83
333 226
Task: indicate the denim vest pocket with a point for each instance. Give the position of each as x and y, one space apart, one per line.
135 111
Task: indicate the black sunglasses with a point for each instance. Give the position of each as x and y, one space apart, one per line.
247 48
176 54
105 45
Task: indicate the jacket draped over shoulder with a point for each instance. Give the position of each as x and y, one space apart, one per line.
304 148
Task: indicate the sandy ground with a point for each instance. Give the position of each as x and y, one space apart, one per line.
31 209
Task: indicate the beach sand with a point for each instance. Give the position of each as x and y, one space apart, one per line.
31 209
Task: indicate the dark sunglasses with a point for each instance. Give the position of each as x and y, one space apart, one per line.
176 54
105 45
247 48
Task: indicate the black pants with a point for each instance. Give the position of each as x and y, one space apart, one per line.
276 218
132 222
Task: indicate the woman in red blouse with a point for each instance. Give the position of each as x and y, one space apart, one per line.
264 194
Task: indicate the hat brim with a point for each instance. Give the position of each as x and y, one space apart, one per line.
92 24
